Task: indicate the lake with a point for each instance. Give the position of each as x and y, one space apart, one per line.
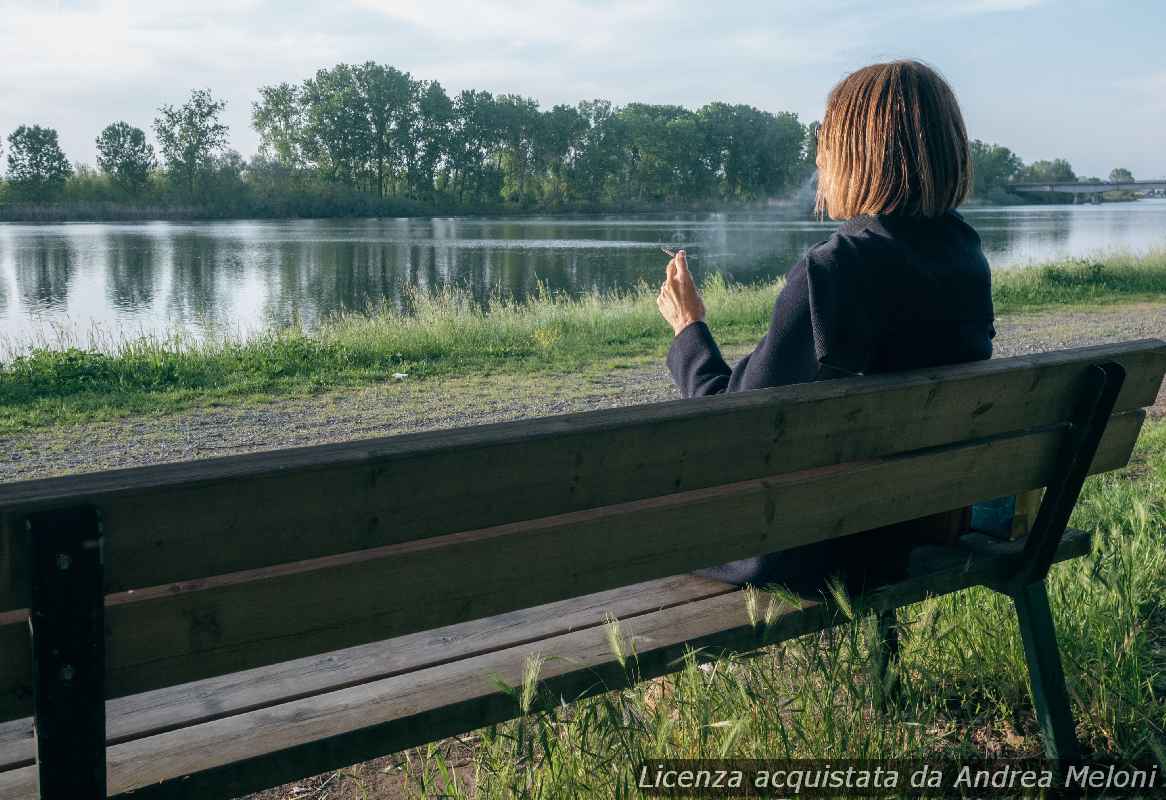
93 281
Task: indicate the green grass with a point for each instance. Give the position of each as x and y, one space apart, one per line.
1114 278
448 334
964 683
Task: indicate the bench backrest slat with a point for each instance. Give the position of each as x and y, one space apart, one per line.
164 636
189 521
251 560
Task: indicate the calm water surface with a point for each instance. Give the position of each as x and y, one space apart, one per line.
84 281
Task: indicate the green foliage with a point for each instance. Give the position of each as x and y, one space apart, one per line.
1080 281
37 168
371 140
124 154
190 136
1057 170
376 129
993 168
1121 175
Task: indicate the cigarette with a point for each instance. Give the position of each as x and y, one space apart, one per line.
669 252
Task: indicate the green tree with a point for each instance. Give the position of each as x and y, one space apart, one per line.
1121 175
559 146
191 136
37 168
519 130
124 154
336 131
278 118
993 167
431 139
780 165
755 154
600 168
1058 170
659 153
474 139
387 100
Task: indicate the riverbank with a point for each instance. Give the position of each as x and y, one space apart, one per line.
393 407
344 206
341 205
448 336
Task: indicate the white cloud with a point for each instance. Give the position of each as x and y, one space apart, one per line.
79 64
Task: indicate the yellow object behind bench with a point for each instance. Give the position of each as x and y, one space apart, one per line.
1024 515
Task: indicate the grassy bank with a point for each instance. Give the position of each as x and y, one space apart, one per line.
448 334
964 682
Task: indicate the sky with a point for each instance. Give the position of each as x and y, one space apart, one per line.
1083 80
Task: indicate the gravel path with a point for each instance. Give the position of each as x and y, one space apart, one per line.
400 407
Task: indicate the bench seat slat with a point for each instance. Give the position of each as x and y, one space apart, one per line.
260 748
188 521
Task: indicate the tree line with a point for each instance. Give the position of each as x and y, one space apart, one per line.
995 167
370 139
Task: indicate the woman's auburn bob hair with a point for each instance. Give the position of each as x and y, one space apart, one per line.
892 141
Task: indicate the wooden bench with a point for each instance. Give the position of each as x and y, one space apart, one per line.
210 628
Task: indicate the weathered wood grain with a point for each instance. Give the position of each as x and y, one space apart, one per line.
245 752
187 704
180 522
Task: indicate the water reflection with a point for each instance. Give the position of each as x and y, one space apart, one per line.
43 272
131 273
239 277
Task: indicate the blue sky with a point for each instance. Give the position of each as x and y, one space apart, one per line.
1082 80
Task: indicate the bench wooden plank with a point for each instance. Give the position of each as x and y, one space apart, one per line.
245 752
178 634
19 784
187 521
182 705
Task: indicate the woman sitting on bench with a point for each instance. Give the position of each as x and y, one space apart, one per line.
902 284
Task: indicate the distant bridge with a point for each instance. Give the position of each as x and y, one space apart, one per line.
1077 188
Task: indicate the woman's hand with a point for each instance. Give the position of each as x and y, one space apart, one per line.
679 301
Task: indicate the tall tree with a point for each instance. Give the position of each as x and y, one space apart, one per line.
37 168
1057 170
387 97
1121 175
474 138
191 135
278 118
431 137
124 154
601 168
519 128
336 135
559 146
993 167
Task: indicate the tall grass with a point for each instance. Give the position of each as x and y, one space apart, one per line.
447 333
1086 281
964 687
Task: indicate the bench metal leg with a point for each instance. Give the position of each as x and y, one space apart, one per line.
885 651
1044 668
67 622
1026 587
